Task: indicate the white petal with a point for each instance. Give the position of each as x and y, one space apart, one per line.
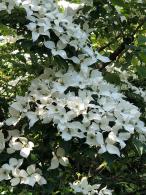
75 59
16 145
61 53
112 149
35 36
99 138
25 152
29 181
31 169
31 26
60 45
42 181
129 128
102 149
124 136
102 58
10 150
54 163
49 44
17 106
66 136
15 181
23 173
32 117
30 145
12 121
64 161
13 161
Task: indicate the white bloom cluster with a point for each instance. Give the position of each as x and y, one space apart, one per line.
45 17
12 171
85 188
17 176
82 106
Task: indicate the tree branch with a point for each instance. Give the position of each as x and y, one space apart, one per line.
126 41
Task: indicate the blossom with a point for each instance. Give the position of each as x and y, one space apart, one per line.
31 176
59 157
20 144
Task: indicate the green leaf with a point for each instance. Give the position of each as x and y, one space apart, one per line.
142 56
141 39
119 2
141 71
139 146
112 78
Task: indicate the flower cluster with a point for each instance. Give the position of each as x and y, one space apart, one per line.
45 17
85 188
17 176
82 106
12 171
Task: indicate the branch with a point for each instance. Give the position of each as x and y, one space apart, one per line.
126 41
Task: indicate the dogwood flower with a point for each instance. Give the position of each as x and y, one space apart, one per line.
59 158
31 176
20 144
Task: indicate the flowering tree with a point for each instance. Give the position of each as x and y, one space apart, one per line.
72 97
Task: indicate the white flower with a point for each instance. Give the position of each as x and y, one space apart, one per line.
58 158
31 176
28 177
22 144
